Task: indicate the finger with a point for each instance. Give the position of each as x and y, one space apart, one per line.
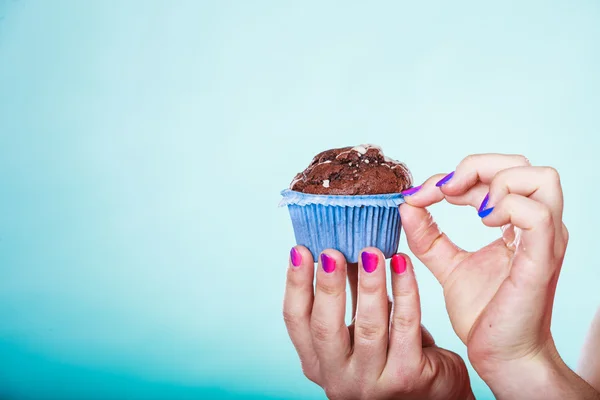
297 307
430 245
406 344
428 193
351 326
372 315
526 295
330 336
479 168
537 239
541 184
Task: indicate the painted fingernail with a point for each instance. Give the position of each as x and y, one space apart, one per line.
296 257
484 203
483 210
398 264
411 191
486 212
369 261
445 179
328 263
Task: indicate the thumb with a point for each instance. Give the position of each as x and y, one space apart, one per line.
428 243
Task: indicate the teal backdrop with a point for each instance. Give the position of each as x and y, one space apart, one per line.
143 146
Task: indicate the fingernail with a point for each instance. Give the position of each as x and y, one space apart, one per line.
483 210
328 263
296 257
445 179
411 191
486 212
398 264
484 203
369 261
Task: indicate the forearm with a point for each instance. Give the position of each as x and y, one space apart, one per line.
543 378
589 364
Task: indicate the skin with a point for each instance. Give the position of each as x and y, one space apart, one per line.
589 365
381 355
499 298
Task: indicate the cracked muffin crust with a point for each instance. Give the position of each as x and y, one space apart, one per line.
360 170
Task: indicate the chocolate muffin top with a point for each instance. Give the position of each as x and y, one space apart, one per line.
360 170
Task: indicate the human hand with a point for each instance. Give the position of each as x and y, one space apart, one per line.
500 298
380 356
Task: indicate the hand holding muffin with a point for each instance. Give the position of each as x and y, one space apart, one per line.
500 298
347 199
380 355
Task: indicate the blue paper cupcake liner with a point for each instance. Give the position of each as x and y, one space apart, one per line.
345 223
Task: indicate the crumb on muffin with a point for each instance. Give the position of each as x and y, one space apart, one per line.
360 170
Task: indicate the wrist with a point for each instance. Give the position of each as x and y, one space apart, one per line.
543 376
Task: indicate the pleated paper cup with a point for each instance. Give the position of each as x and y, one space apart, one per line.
345 223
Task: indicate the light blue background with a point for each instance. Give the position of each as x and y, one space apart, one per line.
143 145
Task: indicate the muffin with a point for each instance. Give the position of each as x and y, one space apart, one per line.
347 199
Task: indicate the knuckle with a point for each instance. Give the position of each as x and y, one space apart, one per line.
470 159
404 381
522 160
328 289
369 331
370 288
291 319
339 390
544 217
367 393
559 254
552 174
408 385
333 393
427 227
565 234
502 178
321 330
310 373
294 280
404 294
404 321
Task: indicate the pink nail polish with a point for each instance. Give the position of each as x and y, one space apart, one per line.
369 261
296 257
328 263
398 264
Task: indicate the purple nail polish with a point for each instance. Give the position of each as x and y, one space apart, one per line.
445 179
411 191
483 210
486 212
296 257
369 261
328 263
484 203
